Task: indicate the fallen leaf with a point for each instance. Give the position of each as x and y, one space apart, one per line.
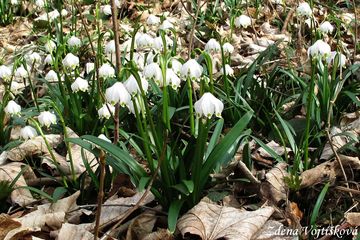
353 218
271 231
7 224
274 187
141 226
211 221
161 234
337 142
71 231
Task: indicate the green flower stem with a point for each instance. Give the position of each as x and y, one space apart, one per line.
191 107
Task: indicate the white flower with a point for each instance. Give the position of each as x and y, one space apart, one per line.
50 46
243 21
14 2
5 73
110 47
80 85
228 48
144 40
158 43
12 108
106 9
48 59
212 46
191 69
28 132
21 72
46 118
331 58
172 79
310 22
176 66
103 137
33 57
118 3
106 71
228 70
153 20
347 17
139 60
40 3
74 42
106 110
208 105
117 93
89 67
64 12
304 9
70 61
326 27
319 48
53 15
132 86
51 76
153 72
166 24
16 88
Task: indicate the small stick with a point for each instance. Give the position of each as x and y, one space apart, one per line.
101 194
287 20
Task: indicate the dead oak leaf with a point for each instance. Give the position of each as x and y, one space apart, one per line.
211 221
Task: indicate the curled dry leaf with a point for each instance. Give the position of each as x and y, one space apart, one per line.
71 231
275 188
337 142
21 195
7 224
142 226
328 171
211 221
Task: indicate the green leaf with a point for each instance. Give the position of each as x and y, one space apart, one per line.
41 193
173 214
58 193
185 187
268 149
215 136
318 204
142 183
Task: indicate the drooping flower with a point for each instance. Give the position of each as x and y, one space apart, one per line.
80 84
166 24
172 79
106 110
74 41
208 105
28 132
50 46
153 72
47 118
228 48
110 47
144 40
117 93
176 66
51 76
33 57
89 67
53 15
48 59
16 88
132 86
158 43
40 3
12 108
191 69
212 46
103 137
70 61
106 71
106 9
242 21
5 73
326 27
319 48
304 9
21 72
228 70
153 20
64 12
341 58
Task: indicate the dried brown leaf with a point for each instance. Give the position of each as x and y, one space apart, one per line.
275 188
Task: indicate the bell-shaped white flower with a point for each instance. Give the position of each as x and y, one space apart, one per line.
64 12
12 108
153 72
21 72
117 93
319 48
47 118
33 57
103 137
228 48
106 9
28 132
106 71
326 27
106 111
16 88
139 60
53 15
242 21
158 43
74 41
153 20
89 67
132 86
176 66
172 79
48 59
14 2
191 69
228 70
110 47
212 46
80 84
208 105
341 58
144 40
51 76
70 61
304 9
40 3
5 73
166 24
50 46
